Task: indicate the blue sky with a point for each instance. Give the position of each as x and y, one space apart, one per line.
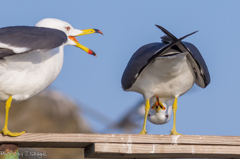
127 25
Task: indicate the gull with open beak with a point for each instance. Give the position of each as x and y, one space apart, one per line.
31 58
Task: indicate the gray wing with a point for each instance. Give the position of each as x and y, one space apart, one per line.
138 62
34 38
203 77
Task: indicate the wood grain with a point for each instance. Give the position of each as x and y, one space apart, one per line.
134 145
75 140
112 150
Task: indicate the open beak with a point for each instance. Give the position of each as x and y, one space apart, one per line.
158 105
85 32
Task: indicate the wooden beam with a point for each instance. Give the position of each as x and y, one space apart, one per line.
134 145
65 140
109 150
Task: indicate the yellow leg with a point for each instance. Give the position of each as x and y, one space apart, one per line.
147 107
174 131
5 130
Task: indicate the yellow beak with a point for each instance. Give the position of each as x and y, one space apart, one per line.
158 105
85 32
89 31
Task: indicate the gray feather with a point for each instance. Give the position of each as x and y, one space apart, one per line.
34 38
166 39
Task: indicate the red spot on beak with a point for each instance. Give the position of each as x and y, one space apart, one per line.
97 31
89 51
92 53
100 32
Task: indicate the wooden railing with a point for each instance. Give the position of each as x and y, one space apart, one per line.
134 145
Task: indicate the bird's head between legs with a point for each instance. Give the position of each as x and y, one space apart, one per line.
159 113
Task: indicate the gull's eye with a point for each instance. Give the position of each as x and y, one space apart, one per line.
68 28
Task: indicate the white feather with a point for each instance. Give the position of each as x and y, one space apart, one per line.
25 75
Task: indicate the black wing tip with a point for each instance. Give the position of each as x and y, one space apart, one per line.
166 38
171 35
160 27
187 35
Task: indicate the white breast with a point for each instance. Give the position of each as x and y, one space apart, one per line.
167 77
25 75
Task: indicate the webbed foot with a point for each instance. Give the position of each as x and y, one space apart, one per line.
9 133
144 131
174 132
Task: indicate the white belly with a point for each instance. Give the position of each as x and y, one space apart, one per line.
167 77
23 76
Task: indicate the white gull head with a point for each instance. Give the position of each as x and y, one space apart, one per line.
60 25
162 116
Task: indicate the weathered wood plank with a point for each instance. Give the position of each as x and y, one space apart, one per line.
114 150
134 146
82 140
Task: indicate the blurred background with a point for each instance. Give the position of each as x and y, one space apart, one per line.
87 96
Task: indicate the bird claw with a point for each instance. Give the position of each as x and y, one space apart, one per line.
143 131
174 132
9 133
